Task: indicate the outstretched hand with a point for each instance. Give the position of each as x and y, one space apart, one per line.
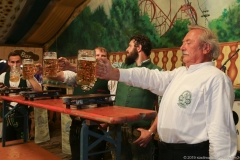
144 138
63 64
104 70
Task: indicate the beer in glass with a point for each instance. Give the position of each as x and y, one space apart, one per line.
50 65
15 73
86 69
28 68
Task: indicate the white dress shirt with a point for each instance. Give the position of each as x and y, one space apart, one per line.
69 77
196 105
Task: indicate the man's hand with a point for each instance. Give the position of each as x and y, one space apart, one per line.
144 138
63 64
104 70
39 68
2 86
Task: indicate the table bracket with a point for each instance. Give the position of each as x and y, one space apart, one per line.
85 147
6 113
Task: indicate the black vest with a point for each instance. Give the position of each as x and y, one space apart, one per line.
22 83
100 87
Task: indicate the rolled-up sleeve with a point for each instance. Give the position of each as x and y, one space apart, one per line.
69 77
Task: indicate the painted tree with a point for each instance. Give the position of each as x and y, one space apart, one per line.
91 29
227 25
174 37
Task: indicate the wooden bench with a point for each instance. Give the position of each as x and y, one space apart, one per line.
25 151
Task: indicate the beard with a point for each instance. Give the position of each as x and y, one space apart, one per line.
131 58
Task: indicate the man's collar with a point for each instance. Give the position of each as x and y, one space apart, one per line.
195 67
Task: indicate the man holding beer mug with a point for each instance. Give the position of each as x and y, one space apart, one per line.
100 87
138 53
15 123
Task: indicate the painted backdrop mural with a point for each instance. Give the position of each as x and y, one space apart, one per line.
110 23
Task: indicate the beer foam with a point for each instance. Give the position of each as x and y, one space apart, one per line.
49 57
87 58
27 63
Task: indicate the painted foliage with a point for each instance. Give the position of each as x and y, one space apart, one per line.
110 23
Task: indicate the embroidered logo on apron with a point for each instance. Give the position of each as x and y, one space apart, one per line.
184 99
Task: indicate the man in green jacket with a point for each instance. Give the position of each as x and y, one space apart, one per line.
138 55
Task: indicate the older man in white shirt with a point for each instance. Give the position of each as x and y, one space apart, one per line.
195 118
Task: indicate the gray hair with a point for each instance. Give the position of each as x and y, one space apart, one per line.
208 37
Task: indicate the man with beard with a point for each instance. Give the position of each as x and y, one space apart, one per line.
138 55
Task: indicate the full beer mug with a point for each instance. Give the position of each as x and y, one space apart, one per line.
15 73
28 68
86 69
50 66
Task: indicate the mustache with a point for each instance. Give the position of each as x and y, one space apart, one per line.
184 52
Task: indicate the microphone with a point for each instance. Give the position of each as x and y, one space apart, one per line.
223 68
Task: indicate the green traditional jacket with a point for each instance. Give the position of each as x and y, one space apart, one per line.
100 87
135 97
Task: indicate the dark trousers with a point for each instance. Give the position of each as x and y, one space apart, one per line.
129 150
15 131
74 139
15 125
172 151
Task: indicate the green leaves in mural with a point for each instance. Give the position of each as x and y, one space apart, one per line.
228 24
174 37
91 29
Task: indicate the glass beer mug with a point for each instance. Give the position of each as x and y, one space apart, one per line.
86 62
15 73
50 66
28 68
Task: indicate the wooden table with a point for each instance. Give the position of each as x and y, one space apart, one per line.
114 115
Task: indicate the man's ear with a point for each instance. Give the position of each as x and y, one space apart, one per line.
206 48
139 48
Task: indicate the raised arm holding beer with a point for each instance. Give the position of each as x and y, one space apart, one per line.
15 61
195 115
69 76
13 78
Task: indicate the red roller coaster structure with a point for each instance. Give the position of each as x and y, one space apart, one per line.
163 22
